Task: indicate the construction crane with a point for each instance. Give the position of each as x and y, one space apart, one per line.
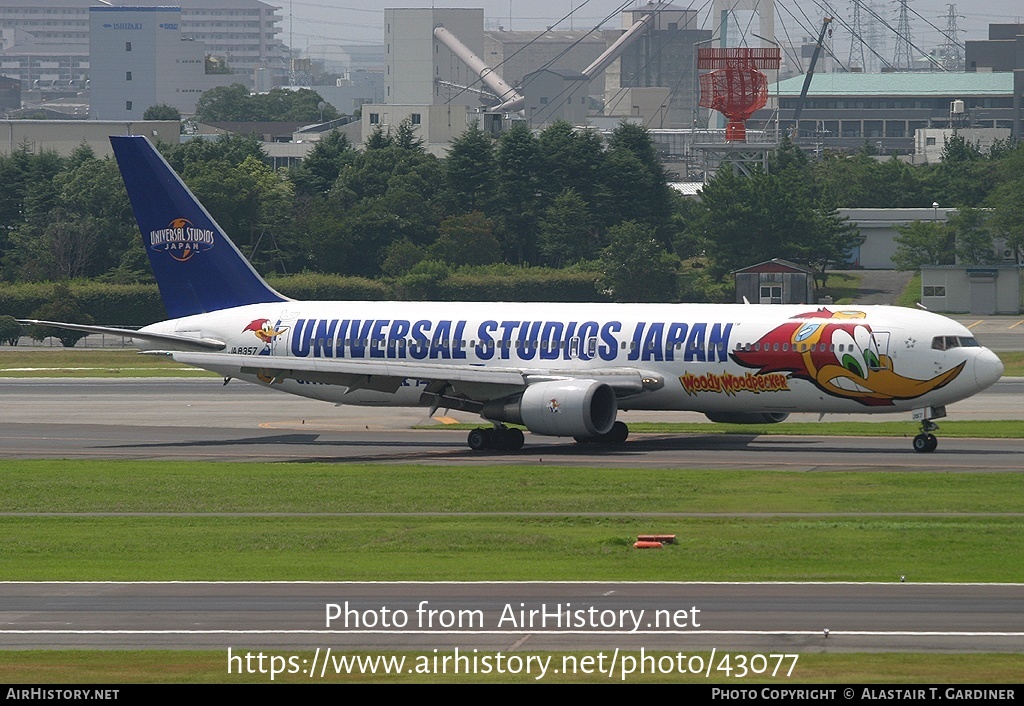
810 74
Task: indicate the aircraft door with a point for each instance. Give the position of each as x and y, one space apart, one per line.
881 339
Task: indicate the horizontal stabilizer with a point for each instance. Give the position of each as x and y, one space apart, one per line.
206 344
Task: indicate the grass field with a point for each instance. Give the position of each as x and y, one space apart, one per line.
325 522
911 294
96 363
209 521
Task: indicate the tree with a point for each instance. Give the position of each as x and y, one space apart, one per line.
571 160
225 103
234 104
1007 219
406 137
636 181
92 194
469 171
250 202
923 243
972 237
317 172
64 307
746 220
400 257
466 239
964 177
567 234
519 184
636 268
829 247
842 181
10 330
161 111
233 149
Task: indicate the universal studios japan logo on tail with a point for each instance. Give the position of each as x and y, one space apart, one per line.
181 240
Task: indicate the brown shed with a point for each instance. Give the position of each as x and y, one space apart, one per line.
775 282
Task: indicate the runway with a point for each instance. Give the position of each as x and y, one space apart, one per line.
205 420
766 617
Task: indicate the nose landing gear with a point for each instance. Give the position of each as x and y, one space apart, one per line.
925 442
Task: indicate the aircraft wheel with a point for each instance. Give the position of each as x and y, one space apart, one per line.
617 434
584 439
514 439
923 443
478 439
501 439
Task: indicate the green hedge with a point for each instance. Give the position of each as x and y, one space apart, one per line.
140 304
108 304
312 286
539 285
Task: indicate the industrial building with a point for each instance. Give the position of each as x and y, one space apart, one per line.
65 136
878 229
646 72
979 289
842 111
140 59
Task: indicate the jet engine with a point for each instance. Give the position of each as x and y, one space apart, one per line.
747 417
584 408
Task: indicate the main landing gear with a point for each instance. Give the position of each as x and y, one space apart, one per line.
500 438
925 442
614 436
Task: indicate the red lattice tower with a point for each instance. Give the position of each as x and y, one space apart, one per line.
735 88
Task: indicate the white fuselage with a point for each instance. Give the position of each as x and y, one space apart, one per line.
711 357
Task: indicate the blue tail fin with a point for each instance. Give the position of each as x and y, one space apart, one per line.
197 268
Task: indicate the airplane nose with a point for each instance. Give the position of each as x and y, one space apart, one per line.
987 368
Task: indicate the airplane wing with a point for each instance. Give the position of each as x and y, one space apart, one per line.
189 341
458 386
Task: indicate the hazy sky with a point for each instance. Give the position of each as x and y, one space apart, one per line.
309 22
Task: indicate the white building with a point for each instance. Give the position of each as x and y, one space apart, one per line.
140 59
424 81
929 143
52 41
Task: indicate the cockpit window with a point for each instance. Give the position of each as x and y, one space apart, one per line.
945 343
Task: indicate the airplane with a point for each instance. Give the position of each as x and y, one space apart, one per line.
555 369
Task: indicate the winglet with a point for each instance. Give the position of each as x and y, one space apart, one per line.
197 267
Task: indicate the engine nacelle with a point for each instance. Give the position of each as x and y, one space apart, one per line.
559 408
747 417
